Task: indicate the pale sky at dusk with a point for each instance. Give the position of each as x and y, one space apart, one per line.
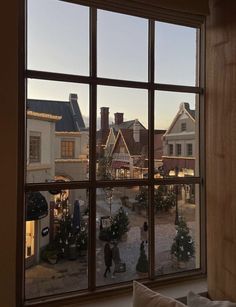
58 41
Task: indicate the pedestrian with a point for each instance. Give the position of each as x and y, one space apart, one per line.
115 257
144 232
107 258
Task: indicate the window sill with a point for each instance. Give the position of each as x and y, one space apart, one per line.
177 290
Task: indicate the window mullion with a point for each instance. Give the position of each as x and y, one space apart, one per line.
151 96
92 151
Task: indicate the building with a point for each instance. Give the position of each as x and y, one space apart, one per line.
71 139
40 168
179 143
130 152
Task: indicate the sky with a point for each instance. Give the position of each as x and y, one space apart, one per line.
58 41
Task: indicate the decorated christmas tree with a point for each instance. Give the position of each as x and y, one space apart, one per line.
183 245
119 226
142 265
65 235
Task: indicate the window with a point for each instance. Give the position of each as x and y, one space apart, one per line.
67 149
34 149
183 126
189 149
171 149
178 150
111 86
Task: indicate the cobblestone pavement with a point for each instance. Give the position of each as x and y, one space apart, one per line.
46 279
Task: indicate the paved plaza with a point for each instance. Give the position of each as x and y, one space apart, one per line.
46 279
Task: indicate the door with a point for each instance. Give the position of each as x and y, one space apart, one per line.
30 243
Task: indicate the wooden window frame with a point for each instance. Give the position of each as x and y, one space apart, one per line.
92 184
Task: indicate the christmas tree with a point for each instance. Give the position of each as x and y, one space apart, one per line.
142 265
65 236
119 226
183 245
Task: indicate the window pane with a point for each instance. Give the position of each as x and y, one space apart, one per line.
122 46
176 137
58 37
57 131
175 54
177 228
56 242
122 234
122 140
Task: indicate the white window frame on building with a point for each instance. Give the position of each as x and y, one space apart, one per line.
67 149
189 149
183 127
178 148
34 147
170 149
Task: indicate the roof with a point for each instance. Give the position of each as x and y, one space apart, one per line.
72 119
187 108
136 148
125 125
43 116
183 108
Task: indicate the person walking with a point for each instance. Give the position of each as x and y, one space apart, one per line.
107 258
116 258
144 232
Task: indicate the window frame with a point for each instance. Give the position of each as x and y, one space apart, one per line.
92 183
65 148
178 149
37 144
183 127
189 149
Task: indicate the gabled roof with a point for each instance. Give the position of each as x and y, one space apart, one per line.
134 148
72 119
125 125
184 108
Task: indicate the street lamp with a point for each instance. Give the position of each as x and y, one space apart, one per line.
176 205
109 194
176 198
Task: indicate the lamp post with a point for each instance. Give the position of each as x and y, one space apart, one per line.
176 198
176 205
109 194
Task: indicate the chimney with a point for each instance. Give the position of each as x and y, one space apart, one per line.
119 118
104 118
136 131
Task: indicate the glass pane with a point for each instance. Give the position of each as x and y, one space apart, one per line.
122 235
56 242
122 46
176 134
177 228
175 54
122 140
57 131
58 37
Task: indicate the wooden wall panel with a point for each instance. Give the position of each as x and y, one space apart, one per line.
8 152
221 148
